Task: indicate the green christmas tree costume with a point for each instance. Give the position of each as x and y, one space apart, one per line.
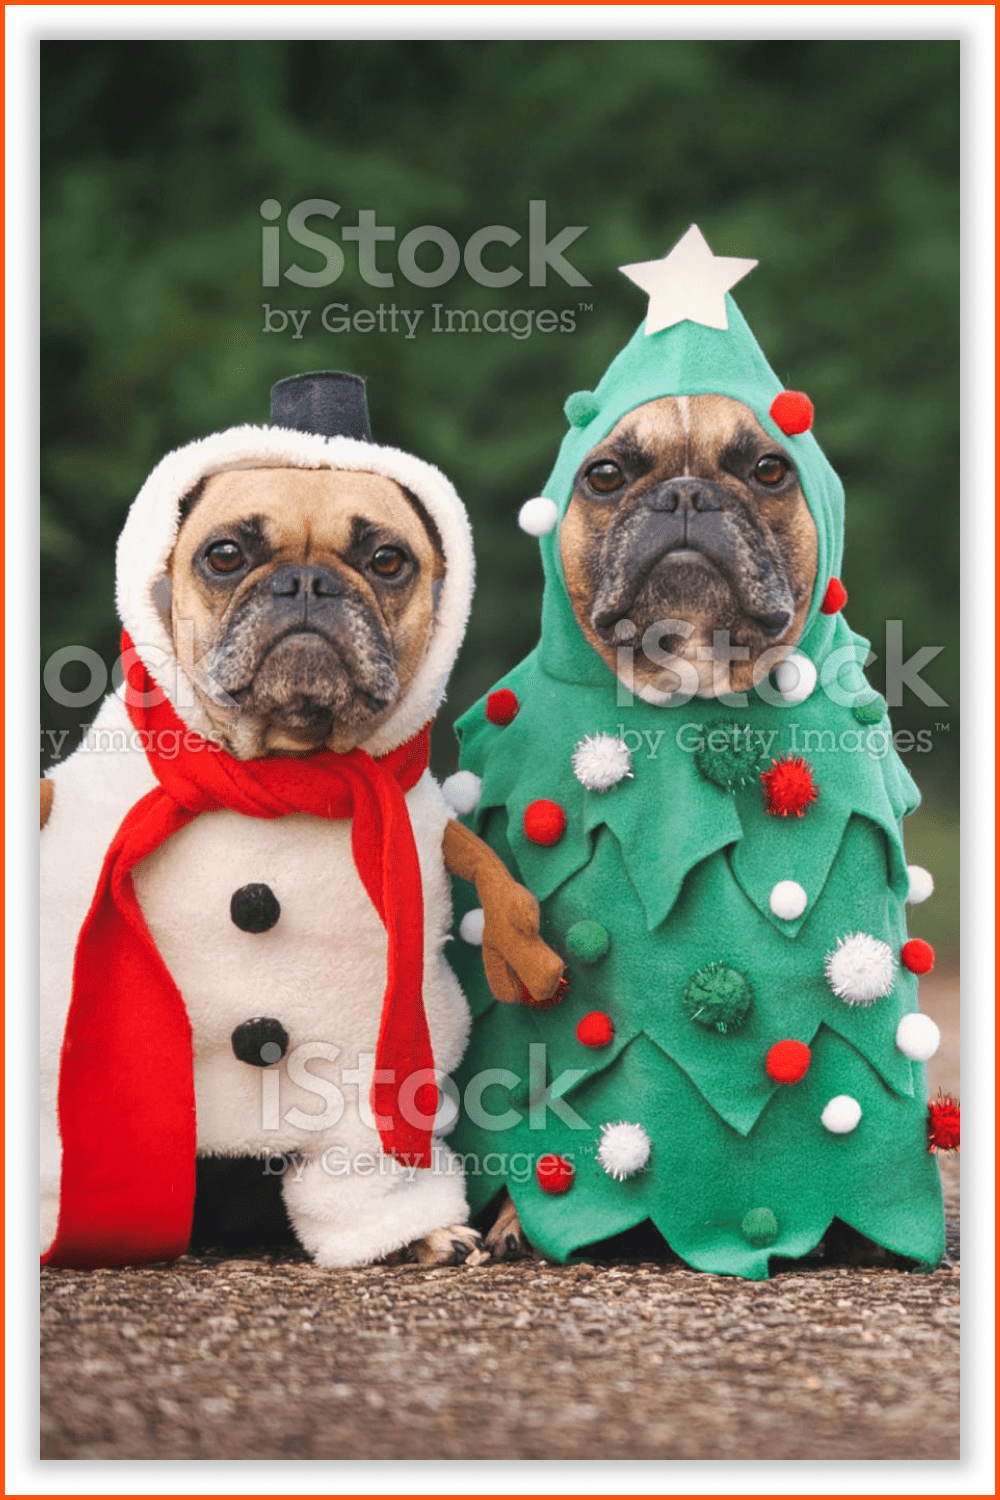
738 1057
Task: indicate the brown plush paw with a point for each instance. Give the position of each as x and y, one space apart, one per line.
515 956
506 1241
454 1245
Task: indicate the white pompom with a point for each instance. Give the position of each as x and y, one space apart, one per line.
471 926
921 884
861 969
624 1149
600 761
462 790
538 517
788 900
917 1037
841 1115
795 678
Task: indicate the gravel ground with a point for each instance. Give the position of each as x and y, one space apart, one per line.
266 1356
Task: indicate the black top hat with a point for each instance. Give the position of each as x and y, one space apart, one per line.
329 402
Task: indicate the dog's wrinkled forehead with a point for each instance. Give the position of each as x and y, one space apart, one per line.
685 435
322 508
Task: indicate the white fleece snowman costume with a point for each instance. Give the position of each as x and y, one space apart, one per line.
320 969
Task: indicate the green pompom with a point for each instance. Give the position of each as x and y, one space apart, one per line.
718 997
759 1226
731 755
587 942
870 707
580 408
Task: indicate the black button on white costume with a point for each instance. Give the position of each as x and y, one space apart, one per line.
254 908
261 1041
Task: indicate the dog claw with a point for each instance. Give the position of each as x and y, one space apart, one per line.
455 1245
506 1240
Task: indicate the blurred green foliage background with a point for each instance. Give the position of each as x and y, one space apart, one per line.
834 163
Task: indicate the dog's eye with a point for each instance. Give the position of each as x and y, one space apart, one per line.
225 557
605 477
771 469
388 562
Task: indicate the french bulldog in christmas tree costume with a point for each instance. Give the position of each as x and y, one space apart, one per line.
692 774
244 888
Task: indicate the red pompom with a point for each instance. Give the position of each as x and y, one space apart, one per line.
793 412
502 706
835 597
527 998
943 1124
917 956
789 787
544 822
788 1061
555 1174
595 1030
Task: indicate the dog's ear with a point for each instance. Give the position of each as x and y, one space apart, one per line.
434 535
190 500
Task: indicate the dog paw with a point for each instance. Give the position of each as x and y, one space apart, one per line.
454 1245
506 1241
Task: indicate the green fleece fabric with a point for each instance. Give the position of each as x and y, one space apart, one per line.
679 871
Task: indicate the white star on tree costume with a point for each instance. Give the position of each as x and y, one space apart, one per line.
739 978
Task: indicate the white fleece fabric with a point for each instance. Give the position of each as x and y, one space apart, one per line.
321 969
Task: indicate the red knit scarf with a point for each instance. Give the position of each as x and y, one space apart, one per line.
126 1085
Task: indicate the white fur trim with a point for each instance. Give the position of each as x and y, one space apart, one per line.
150 532
795 678
921 884
788 900
917 1037
461 791
841 1115
539 516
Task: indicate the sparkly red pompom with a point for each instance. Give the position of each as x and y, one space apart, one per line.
788 1061
555 1174
835 597
544 822
793 412
917 956
595 1030
502 706
789 787
527 998
943 1124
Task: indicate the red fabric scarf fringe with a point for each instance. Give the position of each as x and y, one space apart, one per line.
126 1086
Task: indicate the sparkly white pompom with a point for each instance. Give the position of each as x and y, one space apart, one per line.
471 926
624 1149
795 678
600 761
842 1115
788 900
921 884
462 790
861 969
538 517
917 1037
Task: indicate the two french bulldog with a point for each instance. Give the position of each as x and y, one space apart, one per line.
293 589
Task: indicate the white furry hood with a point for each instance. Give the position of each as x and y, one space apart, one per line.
150 531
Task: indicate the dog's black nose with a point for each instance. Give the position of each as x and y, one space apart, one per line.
260 1041
775 622
254 908
685 495
296 581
